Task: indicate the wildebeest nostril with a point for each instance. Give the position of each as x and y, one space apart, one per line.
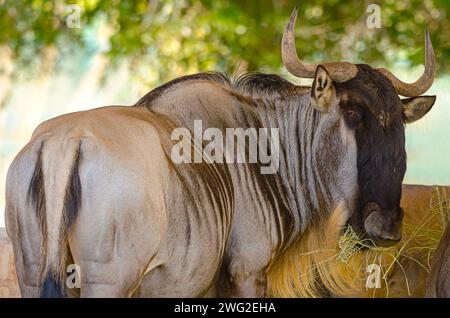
395 237
383 230
373 224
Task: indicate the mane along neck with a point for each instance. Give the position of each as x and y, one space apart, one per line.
311 268
307 195
281 104
309 265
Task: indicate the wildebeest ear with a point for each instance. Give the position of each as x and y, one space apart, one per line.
415 108
323 90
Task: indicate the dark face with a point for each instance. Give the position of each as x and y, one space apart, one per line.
373 109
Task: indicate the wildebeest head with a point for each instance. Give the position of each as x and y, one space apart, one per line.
368 103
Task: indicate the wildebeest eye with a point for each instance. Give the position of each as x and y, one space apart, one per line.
350 113
352 116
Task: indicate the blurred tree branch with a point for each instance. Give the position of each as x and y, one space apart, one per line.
183 36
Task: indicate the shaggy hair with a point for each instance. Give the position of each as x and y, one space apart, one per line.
246 84
310 268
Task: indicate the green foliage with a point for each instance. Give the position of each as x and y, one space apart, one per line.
184 36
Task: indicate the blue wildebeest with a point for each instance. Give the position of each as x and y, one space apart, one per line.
99 189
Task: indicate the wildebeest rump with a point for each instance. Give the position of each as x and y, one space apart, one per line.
99 189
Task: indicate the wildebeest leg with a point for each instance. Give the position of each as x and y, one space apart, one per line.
249 285
22 221
26 254
113 245
110 265
238 279
212 292
101 280
117 277
120 223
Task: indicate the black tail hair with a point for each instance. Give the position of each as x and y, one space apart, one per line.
53 284
51 287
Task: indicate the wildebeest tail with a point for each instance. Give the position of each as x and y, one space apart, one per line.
55 193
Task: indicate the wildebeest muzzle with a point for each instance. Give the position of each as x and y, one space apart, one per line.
383 227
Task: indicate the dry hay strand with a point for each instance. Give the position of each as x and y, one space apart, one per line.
323 262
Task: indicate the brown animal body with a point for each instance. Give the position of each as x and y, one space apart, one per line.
427 209
438 282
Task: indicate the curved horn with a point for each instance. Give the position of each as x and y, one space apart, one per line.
339 71
424 82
